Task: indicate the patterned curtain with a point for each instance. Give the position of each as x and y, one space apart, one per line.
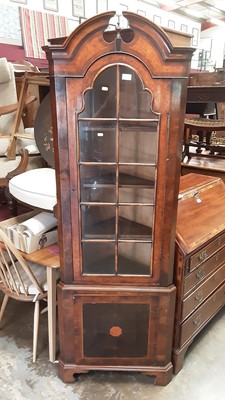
37 27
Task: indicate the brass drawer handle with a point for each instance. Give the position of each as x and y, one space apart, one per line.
217 257
219 241
198 320
204 97
200 274
202 256
199 296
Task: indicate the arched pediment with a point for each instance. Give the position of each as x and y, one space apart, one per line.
143 40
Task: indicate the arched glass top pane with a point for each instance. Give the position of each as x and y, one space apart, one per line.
100 102
118 93
118 147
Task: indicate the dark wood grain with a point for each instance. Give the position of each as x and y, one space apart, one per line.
199 259
100 314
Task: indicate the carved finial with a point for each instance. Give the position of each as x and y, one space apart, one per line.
118 27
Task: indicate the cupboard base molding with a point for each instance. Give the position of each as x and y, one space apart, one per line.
178 357
162 375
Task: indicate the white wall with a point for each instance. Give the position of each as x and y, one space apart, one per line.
91 7
64 6
200 40
215 37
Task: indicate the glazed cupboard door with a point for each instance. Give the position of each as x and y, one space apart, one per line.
118 143
115 138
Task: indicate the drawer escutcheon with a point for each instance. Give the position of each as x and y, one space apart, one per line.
198 320
199 296
200 274
202 256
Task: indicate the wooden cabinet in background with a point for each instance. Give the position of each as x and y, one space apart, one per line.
118 101
199 259
38 86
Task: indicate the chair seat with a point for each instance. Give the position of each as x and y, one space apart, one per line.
205 124
40 274
22 142
36 188
6 165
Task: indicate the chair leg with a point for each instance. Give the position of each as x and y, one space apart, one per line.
11 202
3 306
35 329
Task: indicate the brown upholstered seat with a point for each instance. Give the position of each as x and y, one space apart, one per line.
202 128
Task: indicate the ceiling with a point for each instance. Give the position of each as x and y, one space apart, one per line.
202 11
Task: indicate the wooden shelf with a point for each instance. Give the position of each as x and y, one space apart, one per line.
126 266
130 181
127 230
125 180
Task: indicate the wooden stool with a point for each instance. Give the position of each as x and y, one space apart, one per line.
203 128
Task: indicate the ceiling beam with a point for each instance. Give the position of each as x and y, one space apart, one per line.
179 4
207 24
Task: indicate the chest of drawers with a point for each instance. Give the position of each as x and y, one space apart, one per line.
199 259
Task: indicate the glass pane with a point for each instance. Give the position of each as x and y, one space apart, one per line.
97 141
136 184
135 222
138 142
98 183
135 102
98 222
100 102
134 258
98 258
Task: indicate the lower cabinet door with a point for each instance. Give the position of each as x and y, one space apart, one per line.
112 327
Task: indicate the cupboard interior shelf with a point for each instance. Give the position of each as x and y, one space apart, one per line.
138 121
127 229
127 266
125 180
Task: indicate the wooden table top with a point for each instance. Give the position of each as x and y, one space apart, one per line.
48 256
206 94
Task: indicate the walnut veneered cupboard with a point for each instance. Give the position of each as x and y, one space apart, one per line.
118 100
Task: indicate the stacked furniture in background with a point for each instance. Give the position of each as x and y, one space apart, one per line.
204 138
12 128
30 278
37 187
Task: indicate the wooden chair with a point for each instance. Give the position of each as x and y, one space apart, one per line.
13 135
203 128
37 187
11 111
23 281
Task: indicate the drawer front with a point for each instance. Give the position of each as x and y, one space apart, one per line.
203 271
203 291
207 251
193 325
199 94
